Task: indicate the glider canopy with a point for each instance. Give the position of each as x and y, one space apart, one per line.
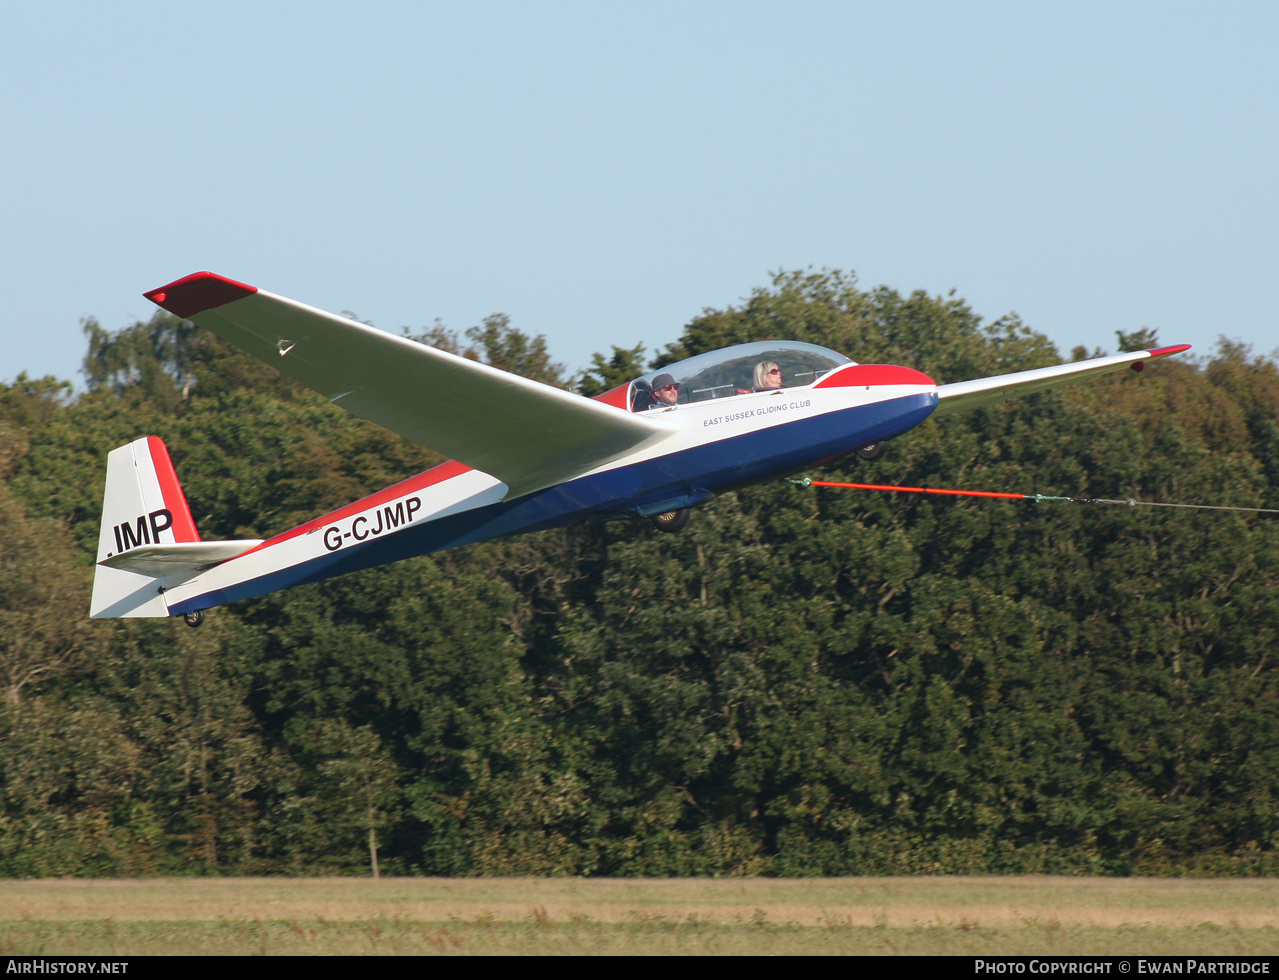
731 371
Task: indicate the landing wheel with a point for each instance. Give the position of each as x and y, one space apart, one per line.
873 452
670 521
194 619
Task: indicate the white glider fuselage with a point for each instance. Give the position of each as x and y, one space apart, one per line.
711 447
551 458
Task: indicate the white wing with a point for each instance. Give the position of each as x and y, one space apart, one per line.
985 391
528 435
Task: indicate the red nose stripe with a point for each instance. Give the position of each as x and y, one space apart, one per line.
198 292
861 375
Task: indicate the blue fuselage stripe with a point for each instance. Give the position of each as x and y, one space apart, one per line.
690 475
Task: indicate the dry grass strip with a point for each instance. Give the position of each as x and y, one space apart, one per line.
874 902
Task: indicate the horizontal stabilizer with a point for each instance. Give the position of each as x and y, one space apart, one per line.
163 560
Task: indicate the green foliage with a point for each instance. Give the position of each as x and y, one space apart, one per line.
43 634
803 682
605 375
496 343
502 346
940 336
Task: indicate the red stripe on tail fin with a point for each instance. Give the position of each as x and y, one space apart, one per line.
175 500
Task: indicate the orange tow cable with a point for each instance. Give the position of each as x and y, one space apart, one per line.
950 493
1037 497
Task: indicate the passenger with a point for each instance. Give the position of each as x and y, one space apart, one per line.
665 392
768 376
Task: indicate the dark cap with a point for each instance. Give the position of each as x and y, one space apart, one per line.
662 380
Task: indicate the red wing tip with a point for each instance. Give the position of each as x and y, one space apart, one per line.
1165 351
198 292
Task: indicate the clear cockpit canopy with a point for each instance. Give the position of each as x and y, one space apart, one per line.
732 371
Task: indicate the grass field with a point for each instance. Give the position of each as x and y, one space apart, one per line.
333 916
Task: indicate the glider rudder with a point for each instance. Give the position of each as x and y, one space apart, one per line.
143 505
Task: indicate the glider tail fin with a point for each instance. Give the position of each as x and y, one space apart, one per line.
143 506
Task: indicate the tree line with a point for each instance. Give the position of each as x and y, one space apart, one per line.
802 682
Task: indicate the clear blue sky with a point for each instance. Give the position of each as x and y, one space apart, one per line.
602 171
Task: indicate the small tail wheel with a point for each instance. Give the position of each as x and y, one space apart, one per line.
194 619
670 521
873 452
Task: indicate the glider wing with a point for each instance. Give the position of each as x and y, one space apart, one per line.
528 435
986 391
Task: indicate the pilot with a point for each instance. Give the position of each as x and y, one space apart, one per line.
768 376
665 392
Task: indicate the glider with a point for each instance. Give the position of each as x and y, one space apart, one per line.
526 456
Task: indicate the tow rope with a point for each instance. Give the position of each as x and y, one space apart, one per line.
1036 497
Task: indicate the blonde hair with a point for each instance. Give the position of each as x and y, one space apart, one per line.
762 370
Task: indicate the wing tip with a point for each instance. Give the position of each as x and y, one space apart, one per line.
198 292
1165 351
